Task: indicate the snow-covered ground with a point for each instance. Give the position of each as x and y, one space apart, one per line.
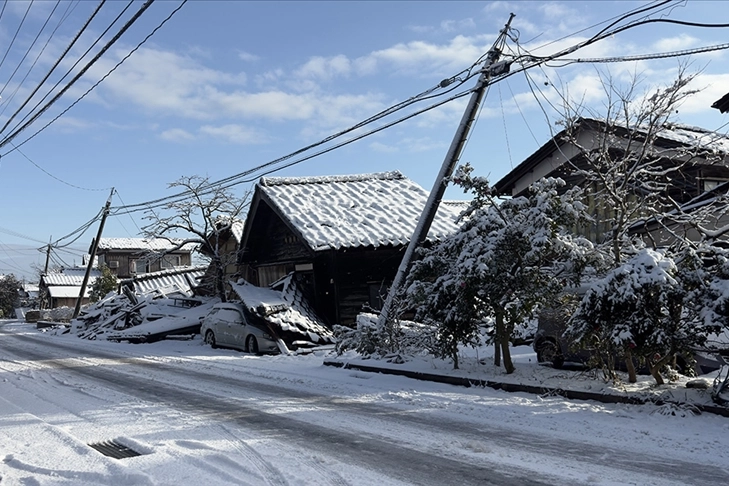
204 416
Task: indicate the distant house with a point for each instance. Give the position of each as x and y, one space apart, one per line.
61 289
343 236
127 257
704 169
227 241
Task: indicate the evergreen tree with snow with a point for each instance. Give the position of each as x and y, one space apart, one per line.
505 261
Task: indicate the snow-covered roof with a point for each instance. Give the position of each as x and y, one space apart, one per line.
283 308
351 211
177 280
236 226
142 244
67 291
69 277
696 137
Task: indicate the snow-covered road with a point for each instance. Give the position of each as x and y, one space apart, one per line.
203 416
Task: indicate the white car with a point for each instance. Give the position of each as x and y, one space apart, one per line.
229 325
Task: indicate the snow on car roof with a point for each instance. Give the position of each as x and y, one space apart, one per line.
350 211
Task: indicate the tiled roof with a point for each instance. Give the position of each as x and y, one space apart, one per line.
141 244
73 278
359 210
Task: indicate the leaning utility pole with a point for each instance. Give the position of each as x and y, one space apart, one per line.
491 68
48 255
90 265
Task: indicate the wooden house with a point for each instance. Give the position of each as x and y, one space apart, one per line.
61 289
127 257
227 240
699 155
343 236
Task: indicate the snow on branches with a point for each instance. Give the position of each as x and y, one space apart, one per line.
505 261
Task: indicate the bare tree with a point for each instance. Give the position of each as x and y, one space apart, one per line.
209 217
626 172
640 170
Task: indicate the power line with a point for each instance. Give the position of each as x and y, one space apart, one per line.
15 36
78 76
53 68
69 9
2 143
54 177
30 48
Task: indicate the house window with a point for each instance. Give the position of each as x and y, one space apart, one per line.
711 184
270 273
137 267
170 261
378 295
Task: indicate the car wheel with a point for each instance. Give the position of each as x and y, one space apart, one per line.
547 352
252 344
210 339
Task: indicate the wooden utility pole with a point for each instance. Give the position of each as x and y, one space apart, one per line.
90 265
491 68
48 255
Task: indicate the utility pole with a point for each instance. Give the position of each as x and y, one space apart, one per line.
491 68
48 255
90 265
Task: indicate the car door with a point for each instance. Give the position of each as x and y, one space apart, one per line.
232 327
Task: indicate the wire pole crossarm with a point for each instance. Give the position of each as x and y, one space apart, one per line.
491 67
90 265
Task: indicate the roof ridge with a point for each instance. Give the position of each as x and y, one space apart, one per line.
280 181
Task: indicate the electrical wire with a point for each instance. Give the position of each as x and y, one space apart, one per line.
15 36
53 68
241 177
30 48
95 84
54 177
69 9
533 62
78 76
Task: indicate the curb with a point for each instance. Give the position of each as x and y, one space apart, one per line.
516 387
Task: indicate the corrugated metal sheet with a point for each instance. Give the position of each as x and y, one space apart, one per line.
360 210
168 282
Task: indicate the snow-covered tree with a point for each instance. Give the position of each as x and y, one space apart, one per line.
9 296
205 218
105 283
651 310
506 260
627 176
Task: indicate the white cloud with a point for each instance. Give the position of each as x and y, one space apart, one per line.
680 42
165 82
237 134
247 56
446 26
325 68
177 135
383 148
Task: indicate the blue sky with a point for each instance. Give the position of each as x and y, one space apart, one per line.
226 86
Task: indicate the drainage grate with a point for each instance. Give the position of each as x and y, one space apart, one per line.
114 449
